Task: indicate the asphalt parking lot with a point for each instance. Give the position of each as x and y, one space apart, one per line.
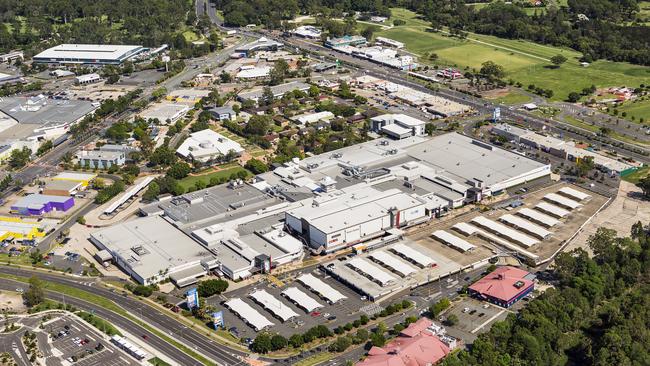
77 343
345 311
474 316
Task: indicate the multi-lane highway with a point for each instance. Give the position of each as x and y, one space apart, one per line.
151 315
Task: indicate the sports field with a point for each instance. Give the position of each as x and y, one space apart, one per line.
523 61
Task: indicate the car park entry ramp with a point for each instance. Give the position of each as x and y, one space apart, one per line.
274 305
301 299
396 264
248 314
324 290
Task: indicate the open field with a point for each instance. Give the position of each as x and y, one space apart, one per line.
191 180
513 97
523 61
639 109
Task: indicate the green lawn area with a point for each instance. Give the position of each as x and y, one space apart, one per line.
578 123
514 97
639 109
226 173
637 175
315 359
190 36
157 362
524 61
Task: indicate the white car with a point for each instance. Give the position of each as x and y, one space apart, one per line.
465 310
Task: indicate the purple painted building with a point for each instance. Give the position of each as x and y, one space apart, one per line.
38 204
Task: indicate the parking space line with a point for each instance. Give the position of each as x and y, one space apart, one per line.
488 321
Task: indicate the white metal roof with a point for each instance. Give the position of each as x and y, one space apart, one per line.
453 240
413 254
320 287
128 194
464 228
526 225
302 299
538 217
503 230
398 265
248 314
396 129
372 270
562 201
574 194
552 209
273 305
206 144
88 51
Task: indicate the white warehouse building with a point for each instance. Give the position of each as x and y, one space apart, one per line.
345 218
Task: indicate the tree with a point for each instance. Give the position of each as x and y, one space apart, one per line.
492 71
19 157
267 96
585 165
558 60
367 33
262 343
341 344
152 192
163 155
279 72
212 287
278 342
45 147
256 166
179 170
644 184
439 307
451 320
258 125
296 340
314 91
142 290
225 77
573 97
34 294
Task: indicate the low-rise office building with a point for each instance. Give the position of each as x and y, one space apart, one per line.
87 79
415 126
207 145
101 159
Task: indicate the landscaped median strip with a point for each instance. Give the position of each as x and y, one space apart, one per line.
109 305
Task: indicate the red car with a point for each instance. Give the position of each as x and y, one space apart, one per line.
145 337
315 313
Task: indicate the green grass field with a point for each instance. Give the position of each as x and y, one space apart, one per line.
523 61
638 175
639 109
191 180
514 97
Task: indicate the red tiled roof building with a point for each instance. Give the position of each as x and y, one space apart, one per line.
415 346
504 286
